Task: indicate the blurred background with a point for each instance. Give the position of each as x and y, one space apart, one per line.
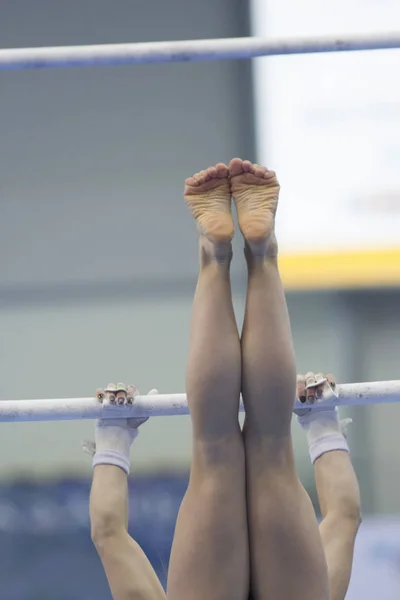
99 255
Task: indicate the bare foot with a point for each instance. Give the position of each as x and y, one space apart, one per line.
208 197
255 191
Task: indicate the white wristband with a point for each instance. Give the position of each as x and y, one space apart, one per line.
323 431
112 458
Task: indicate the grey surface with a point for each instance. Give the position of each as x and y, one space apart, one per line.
92 162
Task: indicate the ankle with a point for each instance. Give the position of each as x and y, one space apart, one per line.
260 252
215 252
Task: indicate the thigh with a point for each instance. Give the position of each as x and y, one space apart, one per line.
286 554
209 558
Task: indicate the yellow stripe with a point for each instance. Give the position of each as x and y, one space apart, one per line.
354 269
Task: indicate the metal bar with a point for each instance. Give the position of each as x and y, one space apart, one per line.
70 409
191 50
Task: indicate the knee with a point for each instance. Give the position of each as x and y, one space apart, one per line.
270 452
218 460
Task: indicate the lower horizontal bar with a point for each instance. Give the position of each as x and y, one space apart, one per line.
162 405
190 50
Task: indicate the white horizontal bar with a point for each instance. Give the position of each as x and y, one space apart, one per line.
191 50
70 409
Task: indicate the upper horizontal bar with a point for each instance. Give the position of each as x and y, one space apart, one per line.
191 50
69 409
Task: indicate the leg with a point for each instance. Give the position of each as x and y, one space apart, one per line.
209 558
286 555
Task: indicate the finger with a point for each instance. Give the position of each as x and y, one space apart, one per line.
120 397
310 385
100 394
131 393
331 379
121 393
301 388
310 379
109 394
320 381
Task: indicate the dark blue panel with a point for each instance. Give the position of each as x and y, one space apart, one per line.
45 548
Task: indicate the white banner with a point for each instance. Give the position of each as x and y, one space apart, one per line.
329 124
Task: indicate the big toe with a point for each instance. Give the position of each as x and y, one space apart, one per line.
236 167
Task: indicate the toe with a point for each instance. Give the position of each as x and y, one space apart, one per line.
200 177
269 174
248 167
191 181
222 170
212 173
259 171
235 167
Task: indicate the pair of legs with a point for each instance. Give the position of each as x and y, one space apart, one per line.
246 525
